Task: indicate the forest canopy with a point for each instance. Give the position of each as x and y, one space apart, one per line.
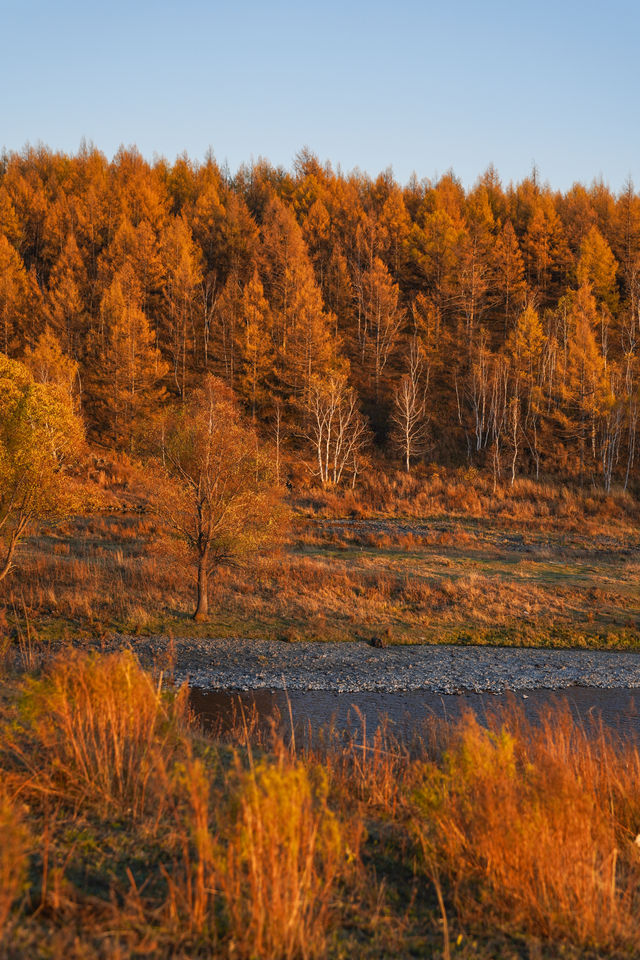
497 325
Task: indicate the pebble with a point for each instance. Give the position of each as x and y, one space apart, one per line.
348 667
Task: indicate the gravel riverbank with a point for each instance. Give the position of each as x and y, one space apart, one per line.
242 664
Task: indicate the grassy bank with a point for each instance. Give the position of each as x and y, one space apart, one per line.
422 558
124 831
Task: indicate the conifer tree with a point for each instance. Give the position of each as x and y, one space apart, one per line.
181 303
586 387
509 270
382 317
48 364
226 321
302 330
597 267
16 299
255 349
65 304
128 386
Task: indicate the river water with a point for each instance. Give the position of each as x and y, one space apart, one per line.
406 713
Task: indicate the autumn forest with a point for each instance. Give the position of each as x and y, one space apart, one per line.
358 321
255 429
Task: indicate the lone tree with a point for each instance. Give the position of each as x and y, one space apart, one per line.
217 490
40 435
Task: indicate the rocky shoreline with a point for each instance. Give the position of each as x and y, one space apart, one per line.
351 667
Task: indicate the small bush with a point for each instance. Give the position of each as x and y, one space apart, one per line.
258 871
285 854
104 726
524 825
13 858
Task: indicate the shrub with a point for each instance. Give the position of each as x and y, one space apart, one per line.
106 730
285 853
525 828
13 857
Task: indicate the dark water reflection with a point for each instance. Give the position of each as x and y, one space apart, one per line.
311 711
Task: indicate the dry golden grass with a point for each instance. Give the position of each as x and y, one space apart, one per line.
434 491
526 829
258 866
535 564
521 830
287 852
106 729
333 579
533 830
244 855
13 856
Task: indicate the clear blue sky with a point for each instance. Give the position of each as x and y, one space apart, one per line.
421 86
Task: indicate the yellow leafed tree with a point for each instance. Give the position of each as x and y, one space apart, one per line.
216 487
131 368
49 364
597 266
40 435
255 348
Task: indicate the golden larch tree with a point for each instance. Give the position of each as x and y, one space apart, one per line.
130 368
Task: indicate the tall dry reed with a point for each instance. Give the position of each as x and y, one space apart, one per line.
258 866
285 854
100 730
530 826
13 857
